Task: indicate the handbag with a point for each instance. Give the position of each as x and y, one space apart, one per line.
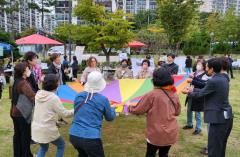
25 106
80 106
174 105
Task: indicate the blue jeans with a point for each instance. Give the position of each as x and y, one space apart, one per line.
60 148
197 118
188 70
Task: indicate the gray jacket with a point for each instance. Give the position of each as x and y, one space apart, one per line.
216 101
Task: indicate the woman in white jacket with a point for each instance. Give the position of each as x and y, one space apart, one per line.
47 109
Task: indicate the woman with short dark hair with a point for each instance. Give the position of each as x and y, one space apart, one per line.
47 108
123 72
57 69
31 60
161 106
22 128
145 72
198 80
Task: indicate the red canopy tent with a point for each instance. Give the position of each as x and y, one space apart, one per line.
37 39
136 44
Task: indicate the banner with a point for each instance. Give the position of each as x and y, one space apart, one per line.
79 53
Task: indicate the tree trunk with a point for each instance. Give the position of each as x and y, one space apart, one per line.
107 54
107 59
65 50
177 48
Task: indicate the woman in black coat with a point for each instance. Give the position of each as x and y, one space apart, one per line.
56 68
198 80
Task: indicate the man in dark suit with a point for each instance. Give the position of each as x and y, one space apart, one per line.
217 110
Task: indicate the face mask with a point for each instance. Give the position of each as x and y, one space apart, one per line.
28 73
124 65
145 66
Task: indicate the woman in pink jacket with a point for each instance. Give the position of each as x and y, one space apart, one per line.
161 106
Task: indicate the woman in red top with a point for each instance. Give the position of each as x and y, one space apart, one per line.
161 106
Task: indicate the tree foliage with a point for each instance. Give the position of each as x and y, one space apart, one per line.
197 44
102 30
155 39
176 16
28 31
144 18
6 38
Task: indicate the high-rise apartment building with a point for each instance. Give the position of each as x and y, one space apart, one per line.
128 6
220 6
19 20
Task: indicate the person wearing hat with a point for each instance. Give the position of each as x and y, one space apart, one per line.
161 106
48 107
89 109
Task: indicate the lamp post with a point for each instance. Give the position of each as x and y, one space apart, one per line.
211 39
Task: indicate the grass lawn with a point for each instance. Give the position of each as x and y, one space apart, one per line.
125 136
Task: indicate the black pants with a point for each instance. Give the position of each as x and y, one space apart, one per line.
21 137
231 71
217 138
75 73
87 147
1 90
152 150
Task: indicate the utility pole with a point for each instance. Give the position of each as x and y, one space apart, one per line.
42 16
70 22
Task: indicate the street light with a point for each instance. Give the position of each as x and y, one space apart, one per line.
211 39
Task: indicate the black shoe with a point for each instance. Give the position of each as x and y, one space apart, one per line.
204 151
196 132
186 127
33 142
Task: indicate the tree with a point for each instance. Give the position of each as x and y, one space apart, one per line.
43 7
176 16
155 38
28 31
197 44
143 18
225 30
64 32
6 37
228 27
102 30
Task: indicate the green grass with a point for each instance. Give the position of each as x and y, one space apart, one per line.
125 136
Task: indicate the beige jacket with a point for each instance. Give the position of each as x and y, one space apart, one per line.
87 71
142 74
47 109
121 73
